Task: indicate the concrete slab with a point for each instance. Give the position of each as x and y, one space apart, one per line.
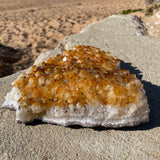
125 37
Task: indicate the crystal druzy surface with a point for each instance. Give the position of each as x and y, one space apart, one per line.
81 75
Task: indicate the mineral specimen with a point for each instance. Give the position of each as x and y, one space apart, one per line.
84 86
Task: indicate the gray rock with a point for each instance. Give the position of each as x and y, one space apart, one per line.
152 1
156 1
125 37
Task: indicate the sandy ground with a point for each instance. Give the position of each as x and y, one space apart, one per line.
30 27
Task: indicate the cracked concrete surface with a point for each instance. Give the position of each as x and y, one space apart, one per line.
124 37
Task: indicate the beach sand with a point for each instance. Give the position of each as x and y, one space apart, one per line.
30 27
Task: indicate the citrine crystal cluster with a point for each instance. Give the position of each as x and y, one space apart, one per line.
83 75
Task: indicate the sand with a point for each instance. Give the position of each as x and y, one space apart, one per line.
30 27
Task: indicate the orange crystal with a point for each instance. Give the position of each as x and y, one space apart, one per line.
83 75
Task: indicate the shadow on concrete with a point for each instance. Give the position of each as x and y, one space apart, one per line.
12 60
7 59
152 92
35 122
